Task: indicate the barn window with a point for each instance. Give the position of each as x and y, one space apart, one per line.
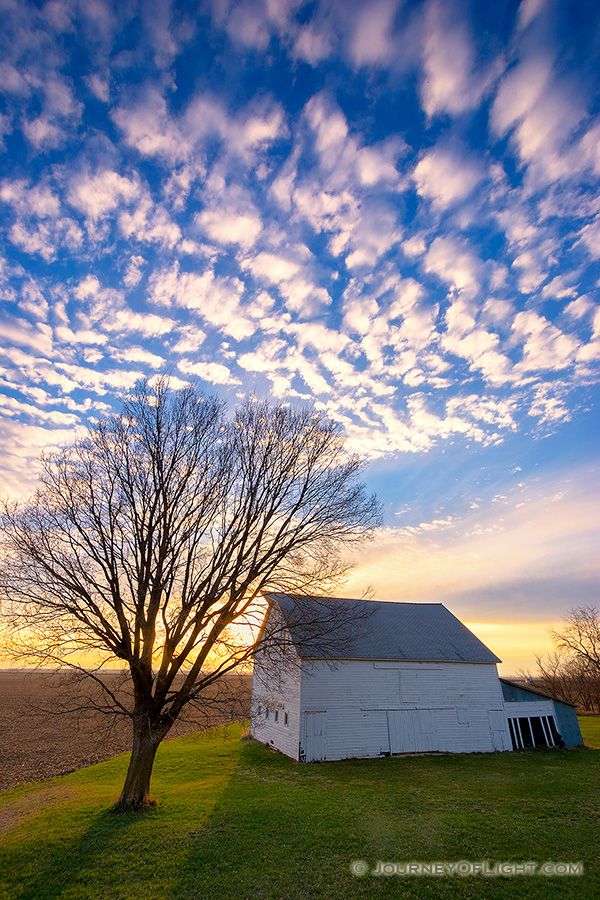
462 716
267 713
277 715
285 719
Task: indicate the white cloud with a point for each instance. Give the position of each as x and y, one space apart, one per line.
545 346
445 177
272 267
43 133
100 194
450 82
228 226
212 372
22 333
133 274
149 128
541 112
39 200
216 299
454 264
528 11
313 44
139 354
150 223
371 41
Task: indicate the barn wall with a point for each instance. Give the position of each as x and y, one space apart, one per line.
568 724
276 687
364 703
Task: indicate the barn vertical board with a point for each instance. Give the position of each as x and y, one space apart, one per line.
315 736
499 729
412 730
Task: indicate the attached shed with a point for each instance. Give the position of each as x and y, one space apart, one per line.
537 719
410 678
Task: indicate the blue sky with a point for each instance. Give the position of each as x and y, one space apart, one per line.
390 210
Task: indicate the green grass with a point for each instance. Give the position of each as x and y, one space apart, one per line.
590 730
238 822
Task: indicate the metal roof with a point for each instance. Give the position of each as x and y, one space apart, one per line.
417 632
530 690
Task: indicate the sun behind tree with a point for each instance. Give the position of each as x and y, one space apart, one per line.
147 540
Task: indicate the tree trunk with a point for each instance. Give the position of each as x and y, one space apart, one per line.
146 739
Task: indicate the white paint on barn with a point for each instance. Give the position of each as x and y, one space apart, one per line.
370 708
275 711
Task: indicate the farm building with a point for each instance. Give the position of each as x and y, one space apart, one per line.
405 678
542 712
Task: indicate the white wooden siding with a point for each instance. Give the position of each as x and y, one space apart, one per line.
515 708
315 735
454 707
276 688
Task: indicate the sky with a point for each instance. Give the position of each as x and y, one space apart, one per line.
390 210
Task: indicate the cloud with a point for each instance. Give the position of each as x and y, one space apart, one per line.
140 354
150 223
229 216
529 10
480 347
18 331
133 274
371 41
445 177
313 44
98 195
545 346
149 128
211 372
273 268
496 563
39 228
450 84
215 299
454 264
292 276
540 112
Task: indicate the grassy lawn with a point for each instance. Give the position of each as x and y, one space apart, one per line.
590 730
238 822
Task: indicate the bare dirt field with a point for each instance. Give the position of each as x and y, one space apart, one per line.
37 741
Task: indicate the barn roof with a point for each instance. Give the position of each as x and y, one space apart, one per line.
530 690
380 630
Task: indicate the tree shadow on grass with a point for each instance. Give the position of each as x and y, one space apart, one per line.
287 831
51 865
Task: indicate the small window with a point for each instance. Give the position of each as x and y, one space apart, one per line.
462 716
285 720
277 715
267 713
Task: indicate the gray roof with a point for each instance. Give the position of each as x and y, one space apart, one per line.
373 629
525 687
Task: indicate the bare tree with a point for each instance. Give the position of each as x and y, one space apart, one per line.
572 672
581 636
150 541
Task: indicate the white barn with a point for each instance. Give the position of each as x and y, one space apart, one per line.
412 678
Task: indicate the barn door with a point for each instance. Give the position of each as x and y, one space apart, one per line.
412 730
315 736
498 726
